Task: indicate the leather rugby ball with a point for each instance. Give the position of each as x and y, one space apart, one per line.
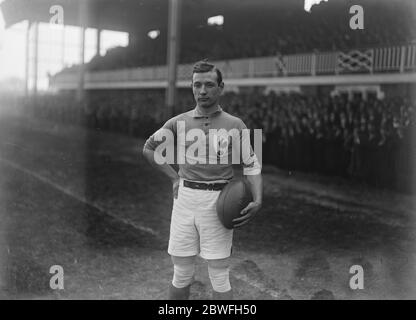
234 197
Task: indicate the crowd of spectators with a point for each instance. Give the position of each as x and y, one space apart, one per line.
369 140
266 32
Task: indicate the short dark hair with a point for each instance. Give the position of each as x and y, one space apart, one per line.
203 66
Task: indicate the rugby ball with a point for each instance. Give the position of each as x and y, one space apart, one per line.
234 197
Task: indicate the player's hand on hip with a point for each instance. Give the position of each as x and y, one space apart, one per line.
175 188
247 214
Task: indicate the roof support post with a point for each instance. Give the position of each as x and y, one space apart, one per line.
98 48
81 71
35 57
63 46
27 59
173 52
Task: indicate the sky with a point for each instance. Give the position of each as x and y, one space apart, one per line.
309 3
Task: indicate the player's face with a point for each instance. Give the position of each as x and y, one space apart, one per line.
206 89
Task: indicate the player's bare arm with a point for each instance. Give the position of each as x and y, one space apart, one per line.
248 213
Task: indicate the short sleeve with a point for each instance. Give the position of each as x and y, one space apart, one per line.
249 160
156 138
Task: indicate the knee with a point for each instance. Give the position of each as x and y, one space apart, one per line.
219 274
183 271
218 263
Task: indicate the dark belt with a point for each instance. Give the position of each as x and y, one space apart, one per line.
204 186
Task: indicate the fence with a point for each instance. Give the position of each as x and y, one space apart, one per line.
375 60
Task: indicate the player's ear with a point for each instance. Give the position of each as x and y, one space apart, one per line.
221 85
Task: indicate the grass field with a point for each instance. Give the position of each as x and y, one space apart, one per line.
89 202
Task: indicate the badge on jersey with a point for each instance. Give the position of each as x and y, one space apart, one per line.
220 144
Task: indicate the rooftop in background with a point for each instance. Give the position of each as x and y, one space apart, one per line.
134 15
141 16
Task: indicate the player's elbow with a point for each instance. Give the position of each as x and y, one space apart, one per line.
147 154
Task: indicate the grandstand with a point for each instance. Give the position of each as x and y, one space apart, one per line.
333 69
337 108
259 34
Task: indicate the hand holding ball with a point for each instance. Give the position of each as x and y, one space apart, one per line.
235 196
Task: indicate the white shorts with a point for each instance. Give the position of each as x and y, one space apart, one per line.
195 227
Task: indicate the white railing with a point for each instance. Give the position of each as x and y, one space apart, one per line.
395 58
325 63
388 59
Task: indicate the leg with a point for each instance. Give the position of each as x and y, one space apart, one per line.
183 274
219 274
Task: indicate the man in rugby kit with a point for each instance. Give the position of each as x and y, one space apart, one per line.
195 227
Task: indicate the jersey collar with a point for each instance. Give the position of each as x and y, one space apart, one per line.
196 113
